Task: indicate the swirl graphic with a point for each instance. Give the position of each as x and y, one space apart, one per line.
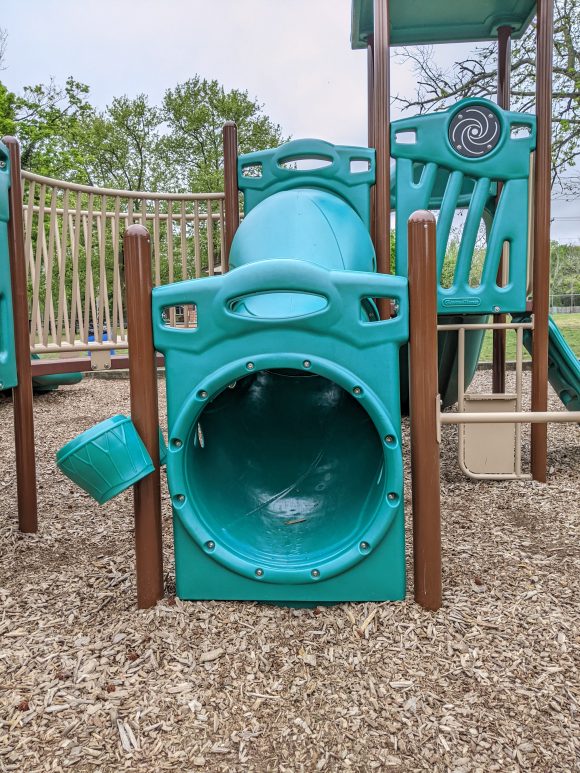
474 131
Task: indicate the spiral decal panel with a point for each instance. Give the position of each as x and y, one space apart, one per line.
474 131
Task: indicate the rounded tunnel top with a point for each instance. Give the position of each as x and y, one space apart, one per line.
305 224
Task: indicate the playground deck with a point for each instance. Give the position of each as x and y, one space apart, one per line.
486 683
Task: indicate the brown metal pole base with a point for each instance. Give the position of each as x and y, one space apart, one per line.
22 394
144 413
426 490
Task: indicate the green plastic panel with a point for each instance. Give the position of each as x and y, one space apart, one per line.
301 415
563 365
8 378
423 21
266 172
423 151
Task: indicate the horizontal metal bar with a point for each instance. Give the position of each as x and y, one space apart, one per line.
489 326
136 216
79 365
521 417
38 178
79 346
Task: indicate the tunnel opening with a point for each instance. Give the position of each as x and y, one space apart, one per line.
286 469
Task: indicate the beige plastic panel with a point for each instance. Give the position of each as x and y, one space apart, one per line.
490 448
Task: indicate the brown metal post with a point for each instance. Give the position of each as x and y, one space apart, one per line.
426 491
232 200
504 35
144 413
371 120
381 134
541 267
22 394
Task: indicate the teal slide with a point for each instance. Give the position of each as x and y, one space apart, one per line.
54 380
563 365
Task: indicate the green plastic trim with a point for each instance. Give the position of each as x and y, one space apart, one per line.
336 177
472 184
8 377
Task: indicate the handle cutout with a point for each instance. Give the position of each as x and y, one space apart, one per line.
181 316
305 163
277 305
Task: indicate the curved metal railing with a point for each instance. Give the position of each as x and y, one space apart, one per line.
74 261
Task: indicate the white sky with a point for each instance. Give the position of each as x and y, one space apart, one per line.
293 55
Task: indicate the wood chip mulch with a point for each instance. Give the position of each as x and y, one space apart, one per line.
88 682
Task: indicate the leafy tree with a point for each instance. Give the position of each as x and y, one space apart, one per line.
195 112
119 147
45 118
477 76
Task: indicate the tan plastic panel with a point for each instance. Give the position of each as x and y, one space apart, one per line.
490 448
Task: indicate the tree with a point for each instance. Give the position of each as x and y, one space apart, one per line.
195 112
45 118
477 75
119 147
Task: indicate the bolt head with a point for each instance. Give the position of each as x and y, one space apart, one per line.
364 546
250 366
307 363
315 573
180 498
391 497
357 390
177 443
389 439
203 394
210 544
496 309
259 572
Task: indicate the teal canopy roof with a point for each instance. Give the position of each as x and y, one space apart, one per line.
427 21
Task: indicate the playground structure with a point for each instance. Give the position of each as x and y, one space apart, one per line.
294 354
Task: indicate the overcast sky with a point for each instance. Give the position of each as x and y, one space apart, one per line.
293 55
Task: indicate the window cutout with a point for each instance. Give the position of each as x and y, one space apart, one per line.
305 163
358 165
252 170
450 258
479 256
182 316
277 305
370 308
406 137
418 169
520 131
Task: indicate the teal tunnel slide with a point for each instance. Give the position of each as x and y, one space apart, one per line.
292 394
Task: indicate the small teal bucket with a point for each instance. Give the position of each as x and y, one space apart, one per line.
106 459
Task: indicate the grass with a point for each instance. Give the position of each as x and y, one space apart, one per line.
569 325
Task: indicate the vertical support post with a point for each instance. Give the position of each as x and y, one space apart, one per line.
426 491
144 413
504 34
381 134
541 267
371 121
231 204
21 394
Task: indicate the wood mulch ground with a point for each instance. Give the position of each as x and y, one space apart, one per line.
488 683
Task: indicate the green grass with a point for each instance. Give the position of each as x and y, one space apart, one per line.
569 325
